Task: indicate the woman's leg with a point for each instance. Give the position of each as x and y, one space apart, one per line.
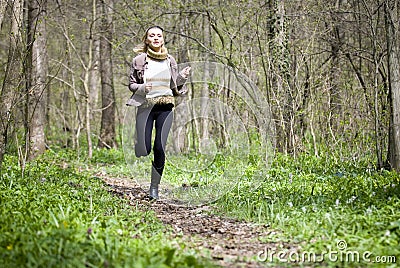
163 123
144 128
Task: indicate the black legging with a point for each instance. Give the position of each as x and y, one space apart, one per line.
162 116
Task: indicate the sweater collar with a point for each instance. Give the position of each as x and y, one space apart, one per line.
162 55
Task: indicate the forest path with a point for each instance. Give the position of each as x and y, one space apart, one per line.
229 242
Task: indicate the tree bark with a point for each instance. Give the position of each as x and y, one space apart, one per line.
38 90
94 76
12 81
3 6
393 44
87 79
280 58
179 121
107 131
335 40
205 92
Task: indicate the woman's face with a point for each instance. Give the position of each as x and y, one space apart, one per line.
155 39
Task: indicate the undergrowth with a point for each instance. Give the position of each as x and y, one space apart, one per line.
325 206
58 213
54 214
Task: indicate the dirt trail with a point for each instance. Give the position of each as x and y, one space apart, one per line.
229 242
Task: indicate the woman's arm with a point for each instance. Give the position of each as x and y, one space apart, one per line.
178 78
136 83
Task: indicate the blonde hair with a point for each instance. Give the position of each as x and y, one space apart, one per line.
143 47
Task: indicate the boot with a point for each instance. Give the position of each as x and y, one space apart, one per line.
155 181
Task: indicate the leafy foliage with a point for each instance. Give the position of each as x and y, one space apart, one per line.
59 216
317 202
56 212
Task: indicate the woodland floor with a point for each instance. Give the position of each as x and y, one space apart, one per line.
229 242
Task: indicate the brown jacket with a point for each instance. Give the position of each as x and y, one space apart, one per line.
137 86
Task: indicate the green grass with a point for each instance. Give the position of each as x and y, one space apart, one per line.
57 216
313 202
317 202
58 213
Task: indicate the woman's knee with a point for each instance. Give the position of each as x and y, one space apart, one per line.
141 151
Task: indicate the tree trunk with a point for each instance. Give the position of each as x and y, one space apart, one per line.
393 46
94 76
12 77
87 79
38 91
181 120
3 5
334 75
280 80
205 92
107 131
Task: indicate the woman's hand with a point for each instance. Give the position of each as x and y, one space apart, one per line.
186 72
148 87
